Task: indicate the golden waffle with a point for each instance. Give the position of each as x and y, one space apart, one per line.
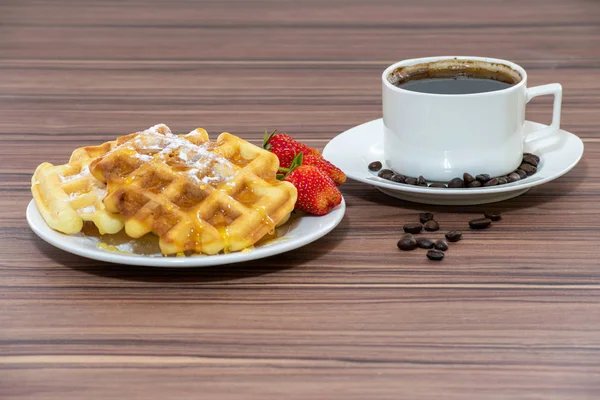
67 195
195 195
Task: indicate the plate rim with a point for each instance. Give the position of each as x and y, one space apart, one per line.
60 241
443 192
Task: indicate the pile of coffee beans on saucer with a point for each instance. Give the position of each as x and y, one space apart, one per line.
527 168
436 248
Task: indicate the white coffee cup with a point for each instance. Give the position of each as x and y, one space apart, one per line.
441 136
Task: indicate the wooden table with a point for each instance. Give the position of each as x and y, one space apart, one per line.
512 312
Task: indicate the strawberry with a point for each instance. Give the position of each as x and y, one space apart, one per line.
336 174
286 148
317 193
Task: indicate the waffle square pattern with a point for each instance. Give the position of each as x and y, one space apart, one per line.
68 195
197 196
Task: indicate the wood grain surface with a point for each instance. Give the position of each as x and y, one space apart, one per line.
511 313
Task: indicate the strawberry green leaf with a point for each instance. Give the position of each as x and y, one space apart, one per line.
295 164
266 137
297 161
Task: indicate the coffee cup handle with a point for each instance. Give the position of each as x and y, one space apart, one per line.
554 89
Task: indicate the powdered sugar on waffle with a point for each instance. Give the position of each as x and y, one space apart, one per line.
144 157
87 210
204 166
85 171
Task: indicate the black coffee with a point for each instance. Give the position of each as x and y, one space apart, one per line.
454 76
458 85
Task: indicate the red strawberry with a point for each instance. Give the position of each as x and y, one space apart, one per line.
317 193
282 146
336 174
286 148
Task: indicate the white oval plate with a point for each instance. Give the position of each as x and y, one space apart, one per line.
353 150
299 232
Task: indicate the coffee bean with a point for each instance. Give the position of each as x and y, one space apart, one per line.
480 223
492 182
483 178
415 227
528 168
421 181
424 217
456 183
437 185
407 242
435 255
385 173
521 173
503 180
493 217
375 166
453 236
513 177
536 158
441 244
468 178
474 184
431 226
411 181
398 178
531 160
424 243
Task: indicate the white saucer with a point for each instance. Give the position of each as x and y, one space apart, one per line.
353 150
296 233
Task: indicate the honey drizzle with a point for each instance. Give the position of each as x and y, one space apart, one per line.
224 232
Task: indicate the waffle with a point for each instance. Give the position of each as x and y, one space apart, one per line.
67 195
195 195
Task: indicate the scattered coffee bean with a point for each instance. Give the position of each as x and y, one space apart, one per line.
453 236
415 227
398 178
456 183
424 243
441 244
431 225
483 178
513 177
375 166
503 180
492 182
536 158
411 181
521 173
385 173
531 160
438 185
421 181
480 223
435 255
424 217
528 168
493 217
407 242
474 184
468 178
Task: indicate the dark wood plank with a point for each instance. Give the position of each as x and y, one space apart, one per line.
513 312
